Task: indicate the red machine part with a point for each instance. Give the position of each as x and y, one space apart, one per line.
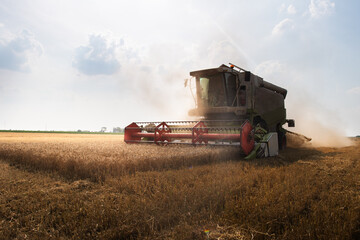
161 131
247 141
198 130
130 133
199 135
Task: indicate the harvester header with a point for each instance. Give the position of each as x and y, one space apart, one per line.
191 132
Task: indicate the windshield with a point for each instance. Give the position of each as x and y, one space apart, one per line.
212 91
204 84
218 90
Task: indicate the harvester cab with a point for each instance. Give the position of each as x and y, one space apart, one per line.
234 108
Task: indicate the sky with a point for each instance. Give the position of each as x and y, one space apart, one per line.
69 65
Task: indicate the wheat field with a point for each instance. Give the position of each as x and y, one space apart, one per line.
73 186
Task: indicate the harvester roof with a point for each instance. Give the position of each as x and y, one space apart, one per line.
211 71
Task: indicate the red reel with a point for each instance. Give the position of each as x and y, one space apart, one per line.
160 132
197 132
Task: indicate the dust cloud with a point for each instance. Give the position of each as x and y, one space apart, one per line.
159 92
314 121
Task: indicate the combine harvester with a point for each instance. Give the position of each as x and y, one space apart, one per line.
234 108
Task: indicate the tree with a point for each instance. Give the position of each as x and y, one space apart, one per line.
103 129
117 130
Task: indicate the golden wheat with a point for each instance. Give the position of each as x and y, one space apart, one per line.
97 187
95 157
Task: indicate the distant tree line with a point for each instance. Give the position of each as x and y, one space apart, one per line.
118 130
103 129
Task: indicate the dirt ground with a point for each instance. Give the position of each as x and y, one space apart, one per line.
64 186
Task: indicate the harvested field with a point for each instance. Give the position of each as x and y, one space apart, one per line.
97 187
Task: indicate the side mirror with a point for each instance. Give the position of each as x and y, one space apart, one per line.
291 122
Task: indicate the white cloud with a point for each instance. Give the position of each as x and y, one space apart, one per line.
318 8
98 57
281 73
354 90
223 52
291 9
282 27
282 8
270 67
16 51
275 72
